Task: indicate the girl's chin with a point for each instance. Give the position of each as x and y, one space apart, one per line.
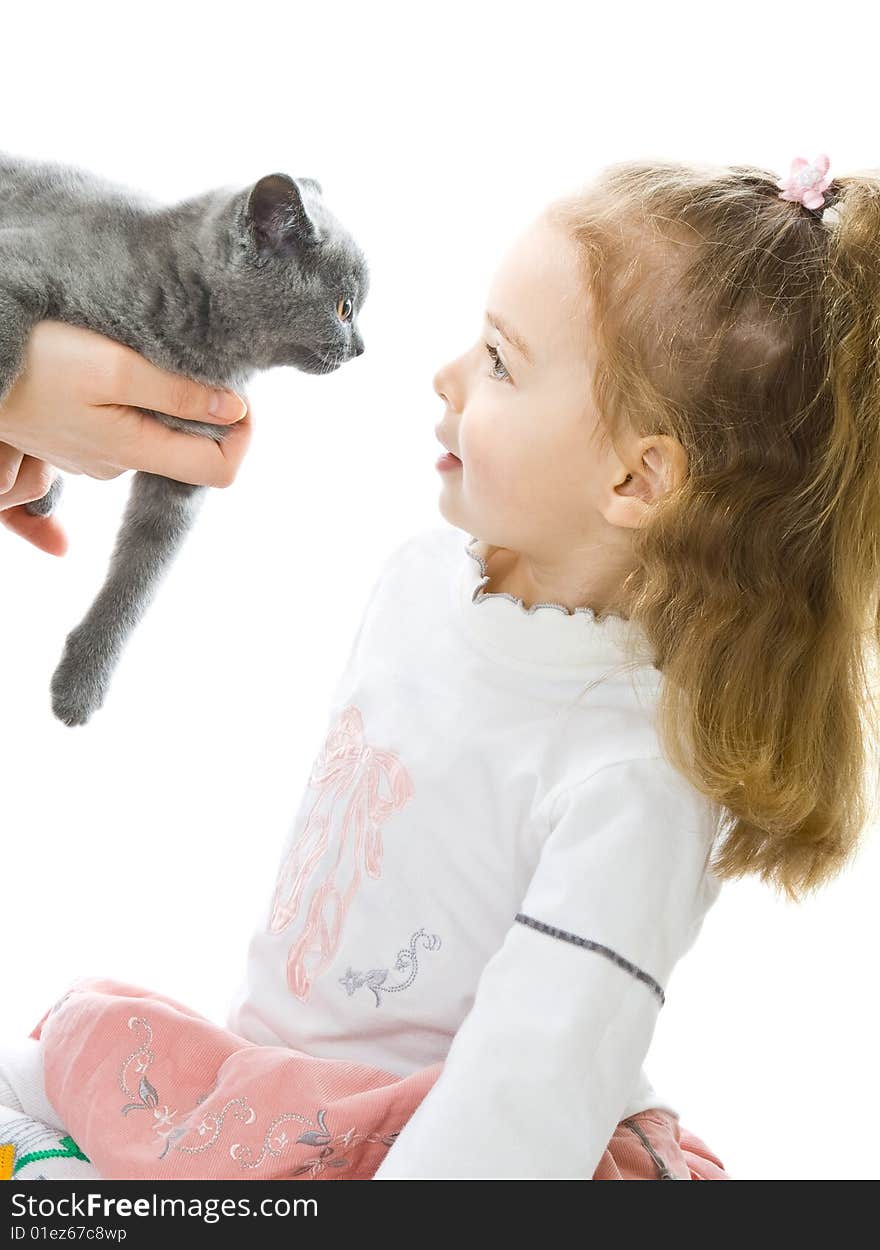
448 510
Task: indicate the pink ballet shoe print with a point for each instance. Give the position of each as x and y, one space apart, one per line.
358 787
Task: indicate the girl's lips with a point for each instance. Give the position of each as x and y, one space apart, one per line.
449 461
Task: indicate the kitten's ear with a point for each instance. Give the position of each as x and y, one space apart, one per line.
277 216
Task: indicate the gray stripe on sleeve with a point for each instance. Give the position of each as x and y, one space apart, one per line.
594 946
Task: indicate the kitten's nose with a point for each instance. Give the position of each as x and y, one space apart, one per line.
357 345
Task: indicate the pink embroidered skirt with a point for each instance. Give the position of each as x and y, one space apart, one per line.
151 1090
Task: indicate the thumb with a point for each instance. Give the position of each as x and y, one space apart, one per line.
43 532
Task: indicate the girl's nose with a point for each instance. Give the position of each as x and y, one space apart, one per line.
443 383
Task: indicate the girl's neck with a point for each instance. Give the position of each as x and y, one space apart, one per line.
514 574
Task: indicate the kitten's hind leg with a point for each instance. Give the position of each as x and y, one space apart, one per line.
44 506
157 518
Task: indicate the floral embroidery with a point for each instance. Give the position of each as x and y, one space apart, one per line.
147 1097
358 787
276 1139
374 979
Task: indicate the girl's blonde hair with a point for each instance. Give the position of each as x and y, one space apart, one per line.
748 328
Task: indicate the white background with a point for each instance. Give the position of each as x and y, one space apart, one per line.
144 846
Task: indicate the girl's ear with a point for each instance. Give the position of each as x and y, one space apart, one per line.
658 466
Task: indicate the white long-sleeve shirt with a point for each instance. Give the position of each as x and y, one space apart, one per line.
492 864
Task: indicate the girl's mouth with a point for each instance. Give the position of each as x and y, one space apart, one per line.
449 461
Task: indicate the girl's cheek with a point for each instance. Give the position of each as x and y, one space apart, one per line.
478 462
482 443
489 482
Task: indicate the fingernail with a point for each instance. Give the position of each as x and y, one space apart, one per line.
227 406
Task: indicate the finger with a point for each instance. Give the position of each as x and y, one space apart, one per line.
199 461
44 532
144 385
34 479
235 447
10 463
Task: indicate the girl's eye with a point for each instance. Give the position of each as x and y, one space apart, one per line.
496 361
344 309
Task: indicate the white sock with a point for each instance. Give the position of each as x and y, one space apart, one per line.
33 1151
7 1095
21 1081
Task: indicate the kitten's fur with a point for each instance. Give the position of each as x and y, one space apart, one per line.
215 287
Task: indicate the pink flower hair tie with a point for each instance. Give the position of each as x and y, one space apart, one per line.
806 182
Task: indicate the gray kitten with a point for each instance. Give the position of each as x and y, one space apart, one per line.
214 287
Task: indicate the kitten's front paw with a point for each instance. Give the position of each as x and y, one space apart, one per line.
44 506
78 683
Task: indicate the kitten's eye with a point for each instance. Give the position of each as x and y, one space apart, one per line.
344 309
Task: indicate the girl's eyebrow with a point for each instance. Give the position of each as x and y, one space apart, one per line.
514 339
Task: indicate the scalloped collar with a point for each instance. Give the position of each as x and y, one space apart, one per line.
547 636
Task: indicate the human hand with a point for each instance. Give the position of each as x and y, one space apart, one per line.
23 479
74 406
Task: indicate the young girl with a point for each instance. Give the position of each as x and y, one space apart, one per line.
640 675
